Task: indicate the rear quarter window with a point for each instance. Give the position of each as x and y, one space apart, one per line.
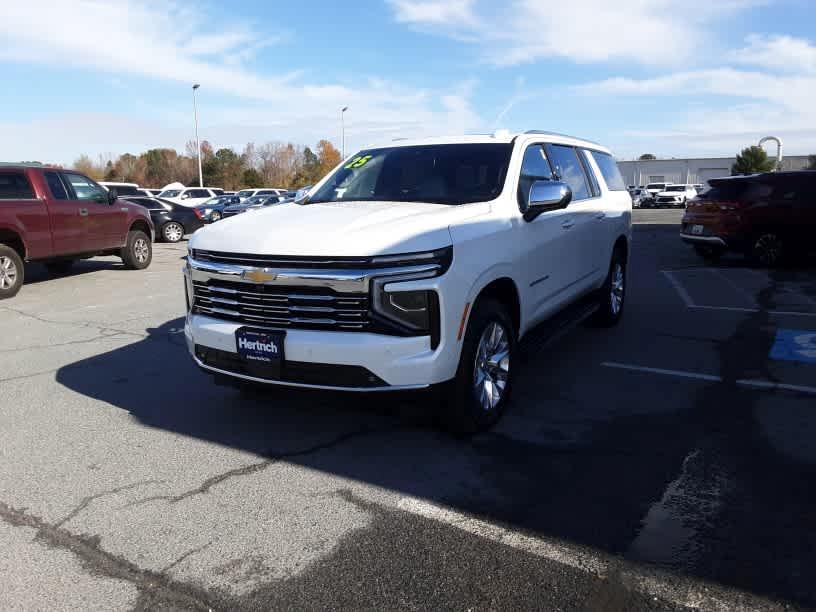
609 169
15 186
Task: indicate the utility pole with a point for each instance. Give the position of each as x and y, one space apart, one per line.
198 144
343 132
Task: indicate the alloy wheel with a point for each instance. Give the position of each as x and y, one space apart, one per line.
141 250
8 272
768 249
173 232
617 289
492 366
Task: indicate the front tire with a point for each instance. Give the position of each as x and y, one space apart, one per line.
138 251
478 395
215 216
613 293
12 272
172 232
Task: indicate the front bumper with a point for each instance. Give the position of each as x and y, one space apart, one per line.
347 361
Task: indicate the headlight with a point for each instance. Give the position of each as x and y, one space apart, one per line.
409 312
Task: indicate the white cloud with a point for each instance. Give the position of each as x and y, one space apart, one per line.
782 53
433 12
172 41
522 31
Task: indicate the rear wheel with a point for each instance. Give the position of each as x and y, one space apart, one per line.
138 252
767 250
478 396
172 231
612 293
62 266
11 272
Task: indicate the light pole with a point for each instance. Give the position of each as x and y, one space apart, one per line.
198 144
343 132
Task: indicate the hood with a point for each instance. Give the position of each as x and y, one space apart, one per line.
343 229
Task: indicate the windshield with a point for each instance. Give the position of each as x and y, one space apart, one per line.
676 188
442 174
170 193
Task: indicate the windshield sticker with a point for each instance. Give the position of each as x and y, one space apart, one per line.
357 162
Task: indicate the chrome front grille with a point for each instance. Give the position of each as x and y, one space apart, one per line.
280 306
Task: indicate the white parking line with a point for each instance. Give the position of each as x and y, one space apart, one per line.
780 313
678 373
748 296
681 290
774 386
653 583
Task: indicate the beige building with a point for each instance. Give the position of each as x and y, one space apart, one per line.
690 171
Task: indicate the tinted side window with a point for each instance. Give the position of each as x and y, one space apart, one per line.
590 173
198 193
15 186
55 185
534 167
125 190
84 188
609 170
569 170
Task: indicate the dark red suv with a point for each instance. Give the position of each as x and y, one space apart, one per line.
57 216
767 217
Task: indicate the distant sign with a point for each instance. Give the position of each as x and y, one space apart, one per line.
795 345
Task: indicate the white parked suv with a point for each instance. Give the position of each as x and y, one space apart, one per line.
411 265
675 196
190 196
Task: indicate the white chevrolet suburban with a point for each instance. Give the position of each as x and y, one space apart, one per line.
411 265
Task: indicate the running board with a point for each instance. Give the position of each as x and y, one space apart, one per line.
548 332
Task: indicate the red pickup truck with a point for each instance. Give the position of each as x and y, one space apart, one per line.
57 216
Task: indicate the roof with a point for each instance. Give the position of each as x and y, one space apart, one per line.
499 136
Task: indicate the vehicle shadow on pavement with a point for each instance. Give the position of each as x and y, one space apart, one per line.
38 273
593 465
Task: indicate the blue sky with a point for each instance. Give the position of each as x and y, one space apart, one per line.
671 77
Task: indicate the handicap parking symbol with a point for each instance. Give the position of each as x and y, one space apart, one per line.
795 345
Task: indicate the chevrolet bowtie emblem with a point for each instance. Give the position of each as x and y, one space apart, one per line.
259 275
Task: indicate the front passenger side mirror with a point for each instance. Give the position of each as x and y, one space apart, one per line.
546 196
112 195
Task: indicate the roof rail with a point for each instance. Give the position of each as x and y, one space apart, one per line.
548 133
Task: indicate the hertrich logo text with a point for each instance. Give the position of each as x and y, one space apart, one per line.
257 345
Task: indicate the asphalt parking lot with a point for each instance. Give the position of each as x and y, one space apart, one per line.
664 464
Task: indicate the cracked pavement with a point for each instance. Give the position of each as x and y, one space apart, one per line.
128 480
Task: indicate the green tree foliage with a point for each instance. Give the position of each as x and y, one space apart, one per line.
252 178
753 160
647 156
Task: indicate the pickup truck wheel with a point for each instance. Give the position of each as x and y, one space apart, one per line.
62 266
613 293
478 396
11 272
138 251
172 231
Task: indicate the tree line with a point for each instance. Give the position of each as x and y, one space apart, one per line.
274 164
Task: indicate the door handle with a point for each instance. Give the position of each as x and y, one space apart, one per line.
567 224
83 212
